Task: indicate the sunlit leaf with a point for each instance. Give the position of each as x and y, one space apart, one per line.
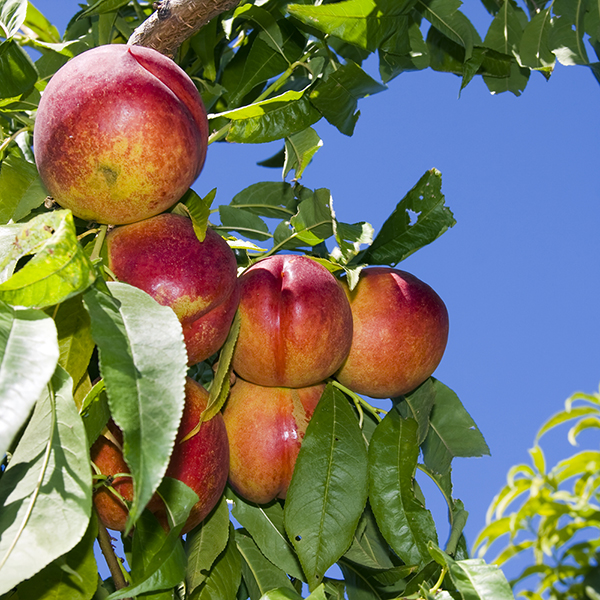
144 368
299 151
12 16
28 357
46 488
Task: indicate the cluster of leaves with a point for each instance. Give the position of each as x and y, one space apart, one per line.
553 514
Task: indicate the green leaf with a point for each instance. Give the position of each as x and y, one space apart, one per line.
101 7
299 151
336 96
74 337
158 558
535 50
12 16
73 576
404 522
473 578
265 525
95 411
144 369
313 222
38 23
369 548
60 268
50 468
563 417
28 357
399 238
286 594
244 222
198 210
266 21
219 390
272 119
452 431
268 199
204 544
364 23
446 18
350 238
260 574
17 71
328 490
225 575
21 188
418 405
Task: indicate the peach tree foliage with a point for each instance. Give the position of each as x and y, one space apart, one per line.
549 516
267 71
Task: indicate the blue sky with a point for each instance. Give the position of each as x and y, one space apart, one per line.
519 271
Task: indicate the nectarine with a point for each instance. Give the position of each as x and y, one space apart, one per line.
120 134
400 333
201 462
296 323
198 280
265 426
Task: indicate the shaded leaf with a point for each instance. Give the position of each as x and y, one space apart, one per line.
271 119
50 468
398 238
328 490
452 431
17 71
243 222
158 558
265 525
403 520
144 368
204 544
299 150
21 188
336 95
225 575
418 405
28 358
267 199
260 574
535 50
95 412
473 578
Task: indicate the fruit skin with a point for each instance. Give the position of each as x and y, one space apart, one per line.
400 333
296 323
202 463
265 426
198 280
120 134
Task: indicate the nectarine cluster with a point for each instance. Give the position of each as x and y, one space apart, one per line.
121 133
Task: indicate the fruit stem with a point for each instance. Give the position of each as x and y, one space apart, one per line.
359 402
220 134
99 241
438 584
114 565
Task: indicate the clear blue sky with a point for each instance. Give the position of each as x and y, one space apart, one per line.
518 273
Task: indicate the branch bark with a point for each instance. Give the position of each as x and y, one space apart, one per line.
174 21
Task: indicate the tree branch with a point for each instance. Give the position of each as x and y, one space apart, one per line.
175 21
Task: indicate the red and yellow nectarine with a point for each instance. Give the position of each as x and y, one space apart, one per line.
400 333
120 134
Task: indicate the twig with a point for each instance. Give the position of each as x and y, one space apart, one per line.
175 21
111 558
